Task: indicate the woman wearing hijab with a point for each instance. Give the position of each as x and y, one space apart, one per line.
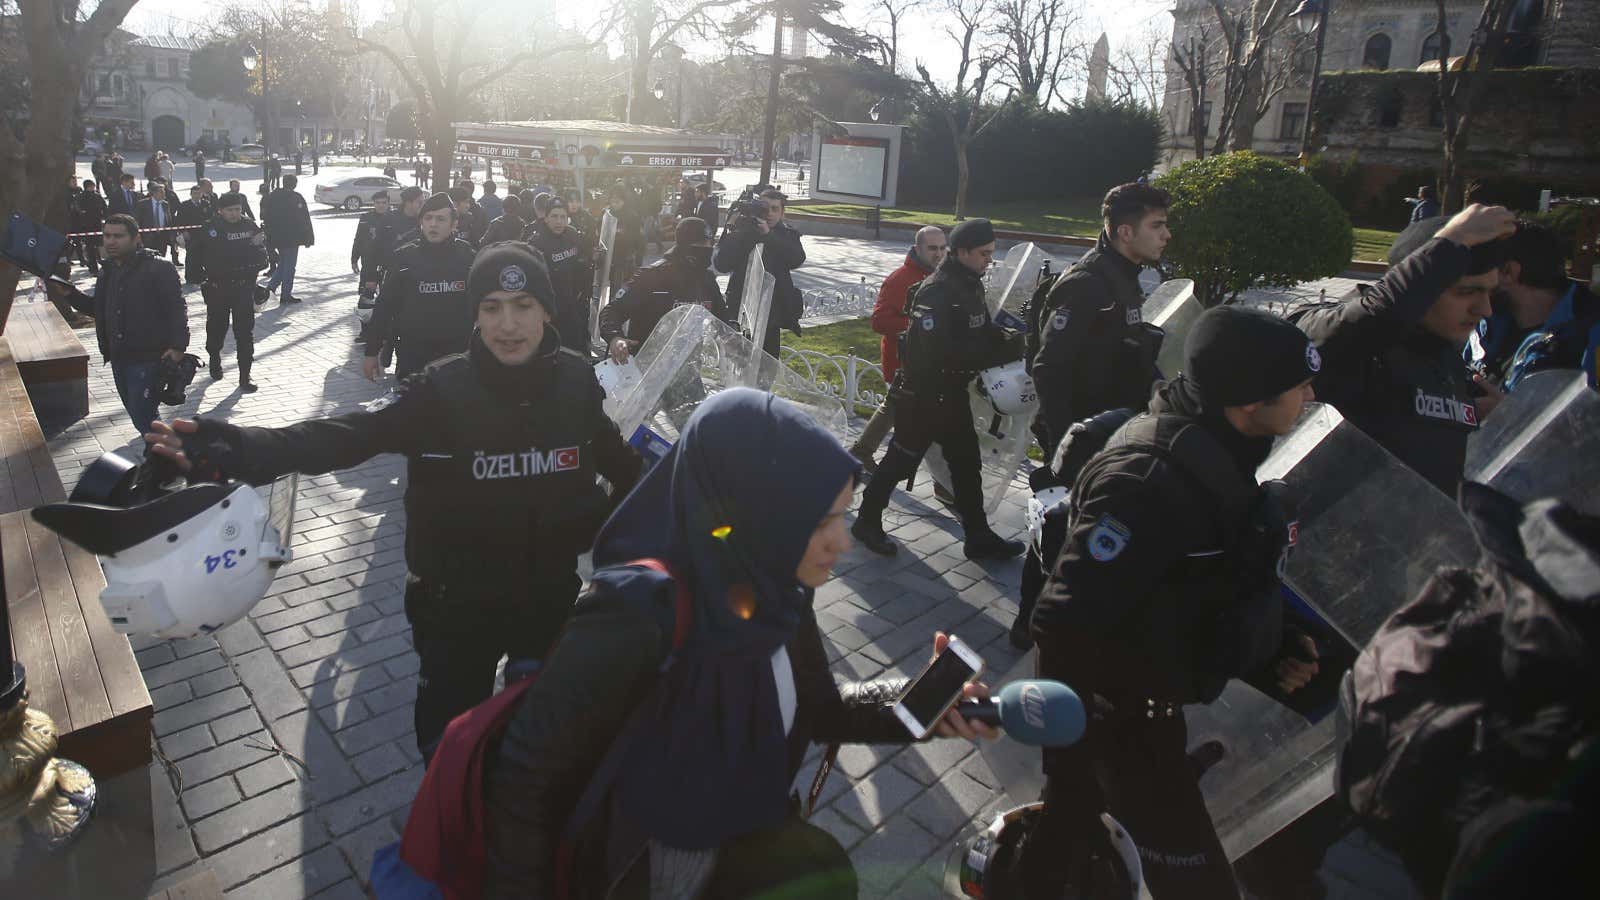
696 754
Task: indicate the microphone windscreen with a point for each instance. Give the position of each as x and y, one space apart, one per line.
1041 713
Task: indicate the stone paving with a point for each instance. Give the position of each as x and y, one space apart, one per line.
286 754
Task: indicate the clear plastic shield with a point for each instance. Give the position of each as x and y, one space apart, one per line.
1543 440
280 499
692 355
602 275
1002 445
1370 533
1172 307
1010 282
755 303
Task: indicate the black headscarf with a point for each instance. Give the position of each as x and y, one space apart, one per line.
730 510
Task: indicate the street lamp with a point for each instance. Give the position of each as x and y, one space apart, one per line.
876 112
1311 16
660 90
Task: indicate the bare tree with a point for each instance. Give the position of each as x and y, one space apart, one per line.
889 45
436 64
1036 35
960 105
1250 53
646 27
1138 72
1461 88
61 40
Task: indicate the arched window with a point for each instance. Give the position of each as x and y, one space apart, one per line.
1430 48
1376 55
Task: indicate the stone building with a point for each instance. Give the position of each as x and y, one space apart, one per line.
137 94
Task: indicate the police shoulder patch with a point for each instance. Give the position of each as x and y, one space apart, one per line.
927 321
1060 319
1108 539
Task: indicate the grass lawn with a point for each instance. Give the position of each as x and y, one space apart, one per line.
1076 218
840 339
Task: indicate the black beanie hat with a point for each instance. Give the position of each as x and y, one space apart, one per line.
971 233
510 266
1236 356
437 201
231 198
692 230
555 204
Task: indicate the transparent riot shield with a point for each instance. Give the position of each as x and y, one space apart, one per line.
1370 532
280 497
1543 440
602 275
690 356
1172 307
1010 282
755 302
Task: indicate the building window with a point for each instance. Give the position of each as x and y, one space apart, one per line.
172 67
116 86
1390 105
103 85
1294 122
1376 55
150 68
1430 48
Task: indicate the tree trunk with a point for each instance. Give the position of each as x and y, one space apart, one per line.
769 131
1244 117
963 174
644 27
441 140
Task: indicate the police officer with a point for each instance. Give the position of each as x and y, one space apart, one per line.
195 212
1393 351
950 340
1542 319
1167 588
376 234
1093 353
682 275
503 444
406 226
570 273
423 303
234 252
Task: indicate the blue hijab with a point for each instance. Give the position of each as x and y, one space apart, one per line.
730 510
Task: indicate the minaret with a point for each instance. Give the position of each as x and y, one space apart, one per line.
1099 62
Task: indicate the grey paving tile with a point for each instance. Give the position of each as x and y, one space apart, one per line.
263 776
873 798
303 877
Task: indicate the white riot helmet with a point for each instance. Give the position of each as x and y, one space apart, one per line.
1010 388
186 563
366 302
985 868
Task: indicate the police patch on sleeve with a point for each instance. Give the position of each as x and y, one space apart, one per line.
927 323
1108 539
1313 359
513 279
1060 319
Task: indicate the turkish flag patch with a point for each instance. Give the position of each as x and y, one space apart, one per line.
566 459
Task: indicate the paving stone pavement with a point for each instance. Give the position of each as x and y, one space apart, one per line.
286 749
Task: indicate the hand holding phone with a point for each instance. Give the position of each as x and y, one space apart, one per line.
922 708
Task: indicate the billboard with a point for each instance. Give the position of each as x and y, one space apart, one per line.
861 164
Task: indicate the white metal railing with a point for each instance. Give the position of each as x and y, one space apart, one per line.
854 300
847 375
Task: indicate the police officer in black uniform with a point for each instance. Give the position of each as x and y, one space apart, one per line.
376 234
950 340
1167 587
423 303
235 252
682 275
503 444
571 273
1394 349
195 212
1093 352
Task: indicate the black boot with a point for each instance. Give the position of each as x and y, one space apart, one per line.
245 384
869 531
983 543
216 367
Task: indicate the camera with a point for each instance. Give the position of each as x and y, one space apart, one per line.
174 376
748 209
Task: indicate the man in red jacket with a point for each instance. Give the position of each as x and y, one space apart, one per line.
890 320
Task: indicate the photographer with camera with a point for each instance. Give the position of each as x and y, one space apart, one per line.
759 220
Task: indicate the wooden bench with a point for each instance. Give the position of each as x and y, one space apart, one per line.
80 671
53 363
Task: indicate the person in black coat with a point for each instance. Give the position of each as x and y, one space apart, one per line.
244 204
287 223
682 275
125 198
781 255
571 274
88 214
195 211
155 211
706 207
749 505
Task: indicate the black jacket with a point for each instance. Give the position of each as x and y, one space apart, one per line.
471 222
781 254
603 666
1407 388
286 219
505 228
1167 585
952 336
710 213
89 213
117 203
423 299
138 309
1094 354
501 463
375 242
653 290
231 254
571 276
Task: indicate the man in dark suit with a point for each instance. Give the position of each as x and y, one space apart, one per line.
195 212
125 198
153 212
287 222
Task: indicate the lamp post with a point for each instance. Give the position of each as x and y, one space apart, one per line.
252 58
1311 16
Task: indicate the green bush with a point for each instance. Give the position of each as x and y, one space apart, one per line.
1242 220
1032 154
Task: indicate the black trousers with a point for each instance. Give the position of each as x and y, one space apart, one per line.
1138 770
459 657
235 302
920 422
791 861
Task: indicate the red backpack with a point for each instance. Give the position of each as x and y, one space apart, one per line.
446 834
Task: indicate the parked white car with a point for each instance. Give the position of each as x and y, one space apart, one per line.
355 191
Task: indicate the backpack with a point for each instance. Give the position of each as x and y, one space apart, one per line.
446 835
1469 715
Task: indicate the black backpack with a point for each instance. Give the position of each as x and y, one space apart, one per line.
1469 723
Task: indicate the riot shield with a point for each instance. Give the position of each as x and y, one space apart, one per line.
1543 440
755 302
1172 307
1370 532
690 356
1010 282
602 275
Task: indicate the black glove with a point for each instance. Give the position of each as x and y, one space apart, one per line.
209 451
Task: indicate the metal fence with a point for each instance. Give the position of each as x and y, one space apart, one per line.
855 300
855 381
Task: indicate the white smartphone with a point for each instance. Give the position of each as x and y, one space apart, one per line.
930 696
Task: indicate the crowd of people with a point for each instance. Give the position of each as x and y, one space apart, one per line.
699 608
